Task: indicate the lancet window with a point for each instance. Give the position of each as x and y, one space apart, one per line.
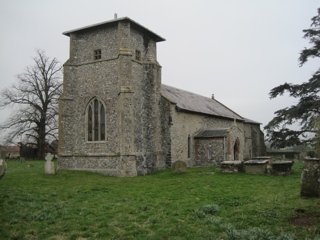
96 121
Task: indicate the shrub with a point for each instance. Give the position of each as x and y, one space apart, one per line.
210 209
201 212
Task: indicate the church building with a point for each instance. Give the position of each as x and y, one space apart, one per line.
118 119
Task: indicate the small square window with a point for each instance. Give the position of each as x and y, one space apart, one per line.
97 54
138 55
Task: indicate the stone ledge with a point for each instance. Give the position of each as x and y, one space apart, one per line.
262 158
312 159
256 162
231 163
282 162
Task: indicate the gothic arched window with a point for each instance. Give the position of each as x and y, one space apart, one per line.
96 121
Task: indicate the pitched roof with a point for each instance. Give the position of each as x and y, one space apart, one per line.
192 102
12 148
213 133
247 120
134 24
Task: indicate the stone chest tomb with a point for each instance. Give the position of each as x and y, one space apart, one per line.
116 118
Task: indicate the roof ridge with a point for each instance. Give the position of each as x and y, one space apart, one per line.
237 116
138 25
187 91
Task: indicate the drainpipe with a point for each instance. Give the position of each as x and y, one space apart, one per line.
224 148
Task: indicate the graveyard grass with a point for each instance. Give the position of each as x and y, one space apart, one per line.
192 205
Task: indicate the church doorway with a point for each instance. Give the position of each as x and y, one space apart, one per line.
236 149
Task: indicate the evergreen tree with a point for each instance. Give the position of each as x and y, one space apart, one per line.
306 112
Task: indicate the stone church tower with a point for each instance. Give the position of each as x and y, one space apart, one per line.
109 112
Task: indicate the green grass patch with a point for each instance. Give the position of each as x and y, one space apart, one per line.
162 205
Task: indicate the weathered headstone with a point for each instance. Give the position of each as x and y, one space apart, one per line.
179 167
310 178
49 165
22 159
3 167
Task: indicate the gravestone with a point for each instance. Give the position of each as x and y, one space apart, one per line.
231 166
22 159
256 166
179 167
310 178
262 158
3 167
282 167
49 165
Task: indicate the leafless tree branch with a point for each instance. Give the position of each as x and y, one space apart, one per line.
35 92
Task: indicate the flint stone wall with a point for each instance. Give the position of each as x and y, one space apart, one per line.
128 87
111 166
209 151
186 124
144 132
165 131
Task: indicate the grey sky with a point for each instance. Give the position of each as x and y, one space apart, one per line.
235 49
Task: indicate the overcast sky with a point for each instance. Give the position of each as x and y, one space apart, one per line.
237 50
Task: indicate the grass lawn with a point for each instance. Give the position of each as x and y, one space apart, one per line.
192 205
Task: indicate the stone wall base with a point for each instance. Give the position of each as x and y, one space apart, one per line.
107 165
118 166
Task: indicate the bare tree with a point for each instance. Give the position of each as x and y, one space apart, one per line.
35 94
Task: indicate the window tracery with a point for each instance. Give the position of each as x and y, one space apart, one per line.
96 121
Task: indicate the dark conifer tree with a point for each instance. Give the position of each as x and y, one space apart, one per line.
306 111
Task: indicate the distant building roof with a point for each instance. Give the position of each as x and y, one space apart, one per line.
12 148
213 133
134 24
192 102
